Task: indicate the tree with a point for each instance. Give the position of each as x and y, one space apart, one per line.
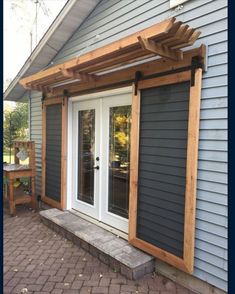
15 125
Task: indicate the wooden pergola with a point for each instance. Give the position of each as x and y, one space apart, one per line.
165 39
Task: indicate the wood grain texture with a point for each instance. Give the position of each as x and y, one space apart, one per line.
187 262
159 253
15 173
165 80
191 171
134 161
124 75
43 189
158 49
45 198
64 152
52 202
103 52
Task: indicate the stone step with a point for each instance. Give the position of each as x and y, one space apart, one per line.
110 249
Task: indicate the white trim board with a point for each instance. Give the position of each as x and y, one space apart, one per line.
102 94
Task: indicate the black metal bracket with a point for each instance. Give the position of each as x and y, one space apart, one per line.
43 98
65 94
196 63
138 76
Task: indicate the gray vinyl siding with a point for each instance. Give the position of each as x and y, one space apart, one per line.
36 134
114 19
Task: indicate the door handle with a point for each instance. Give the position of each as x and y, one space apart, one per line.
94 167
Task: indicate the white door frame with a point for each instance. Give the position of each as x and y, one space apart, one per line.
109 93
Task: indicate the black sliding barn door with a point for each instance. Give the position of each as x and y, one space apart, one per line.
54 151
162 166
164 153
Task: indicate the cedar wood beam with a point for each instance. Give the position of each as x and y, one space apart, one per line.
103 52
81 76
158 49
123 75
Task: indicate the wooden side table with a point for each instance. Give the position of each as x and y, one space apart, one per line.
16 171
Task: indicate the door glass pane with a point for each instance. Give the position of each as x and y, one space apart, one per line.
119 159
86 150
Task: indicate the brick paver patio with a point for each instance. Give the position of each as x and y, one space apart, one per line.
37 260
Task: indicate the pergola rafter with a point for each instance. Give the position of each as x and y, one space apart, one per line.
165 39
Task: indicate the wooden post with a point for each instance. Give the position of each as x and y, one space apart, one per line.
34 200
134 162
11 197
191 170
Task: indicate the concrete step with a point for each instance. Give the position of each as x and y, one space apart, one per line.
110 249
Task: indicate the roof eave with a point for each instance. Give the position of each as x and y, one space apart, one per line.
55 26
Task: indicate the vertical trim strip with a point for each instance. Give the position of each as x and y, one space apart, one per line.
64 125
43 189
134 162
191 170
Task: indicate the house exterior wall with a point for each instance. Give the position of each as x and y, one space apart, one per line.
35 105
114 19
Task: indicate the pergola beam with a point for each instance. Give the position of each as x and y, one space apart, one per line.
103 52
163 39
159 49
124 75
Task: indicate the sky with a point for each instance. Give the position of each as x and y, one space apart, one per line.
19 21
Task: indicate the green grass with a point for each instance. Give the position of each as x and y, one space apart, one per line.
6 157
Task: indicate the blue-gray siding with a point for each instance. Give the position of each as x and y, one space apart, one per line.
35 105
113 19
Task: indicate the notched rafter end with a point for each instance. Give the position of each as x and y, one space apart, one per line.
84 77
24 84
159 49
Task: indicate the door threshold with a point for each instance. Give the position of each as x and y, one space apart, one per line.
100 224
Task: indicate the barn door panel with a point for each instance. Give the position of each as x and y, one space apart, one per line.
165 127
54 151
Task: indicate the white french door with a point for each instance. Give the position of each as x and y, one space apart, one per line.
101 159
86 150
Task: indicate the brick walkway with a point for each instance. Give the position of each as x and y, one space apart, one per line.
37 260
